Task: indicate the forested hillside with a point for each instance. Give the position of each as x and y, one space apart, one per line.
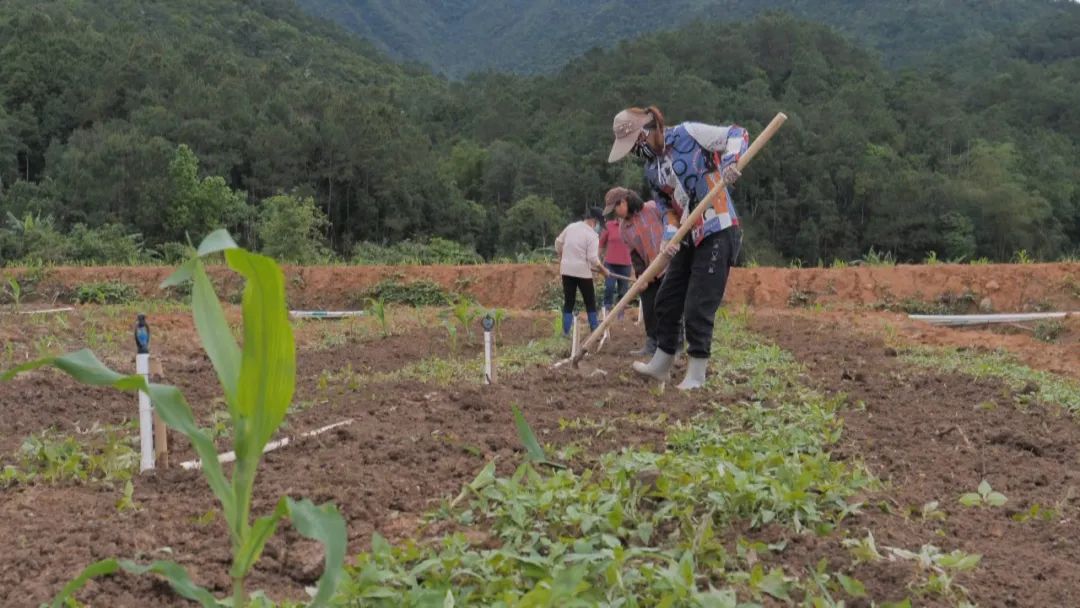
534 36
165 119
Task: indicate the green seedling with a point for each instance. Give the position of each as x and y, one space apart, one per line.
499 315
452 334
986 496
127 499
1023 257
466 314
1035 512
14 289
931 511
377 307
258 382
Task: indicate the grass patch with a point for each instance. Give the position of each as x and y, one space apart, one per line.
106 292
1029 386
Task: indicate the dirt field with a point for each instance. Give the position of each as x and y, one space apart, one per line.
418 435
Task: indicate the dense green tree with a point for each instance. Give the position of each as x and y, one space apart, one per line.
290 229
160 119
532 222
197 206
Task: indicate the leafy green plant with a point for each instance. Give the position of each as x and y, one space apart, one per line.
932 259
452 334
106 292
1022 257
106 455
258 383
879 258
986 496
1048 331
466 314
127 499
14 291
1035 512
377 307
422 292
498 315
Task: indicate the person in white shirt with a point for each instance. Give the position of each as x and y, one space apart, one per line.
578 247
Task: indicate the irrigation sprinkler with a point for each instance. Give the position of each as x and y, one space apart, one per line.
146 415
488 324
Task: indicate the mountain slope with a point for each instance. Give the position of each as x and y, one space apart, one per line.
532 36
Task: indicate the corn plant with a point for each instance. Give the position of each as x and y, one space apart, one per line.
258 383
466 314
377 306
452 334
499 315
14 289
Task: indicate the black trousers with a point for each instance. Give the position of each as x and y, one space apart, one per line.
693 288
570 286
648 308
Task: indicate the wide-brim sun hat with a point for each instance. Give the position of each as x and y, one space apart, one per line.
626 127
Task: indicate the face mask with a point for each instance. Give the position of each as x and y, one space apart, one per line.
598 228
644 152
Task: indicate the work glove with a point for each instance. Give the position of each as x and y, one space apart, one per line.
731 174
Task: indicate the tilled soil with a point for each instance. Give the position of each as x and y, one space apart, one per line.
932 437
410 446
929 436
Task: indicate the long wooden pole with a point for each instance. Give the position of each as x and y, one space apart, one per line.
660 263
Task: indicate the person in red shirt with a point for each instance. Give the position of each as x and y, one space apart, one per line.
616 256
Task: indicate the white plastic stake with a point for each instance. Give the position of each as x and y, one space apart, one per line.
146 417
489 369
573 339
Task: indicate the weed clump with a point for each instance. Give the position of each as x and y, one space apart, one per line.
106 292
394 290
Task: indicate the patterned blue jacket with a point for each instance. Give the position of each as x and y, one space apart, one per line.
694 156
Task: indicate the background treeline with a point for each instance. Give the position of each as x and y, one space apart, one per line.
126 126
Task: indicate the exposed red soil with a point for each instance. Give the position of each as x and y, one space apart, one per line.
923 433
1008 287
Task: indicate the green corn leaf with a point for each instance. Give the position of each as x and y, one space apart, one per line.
175 574
214 332
96 569
323 524
177 578
528 438
261 532
218 240
268 361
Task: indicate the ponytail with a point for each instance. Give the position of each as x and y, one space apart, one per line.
656 135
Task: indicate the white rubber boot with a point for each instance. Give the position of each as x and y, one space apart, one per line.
695 374
658 368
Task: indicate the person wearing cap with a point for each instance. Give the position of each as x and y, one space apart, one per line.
641 227
682 163
578 248
616 258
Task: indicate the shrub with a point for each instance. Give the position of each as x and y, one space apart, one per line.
434 251
106 292
392 290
